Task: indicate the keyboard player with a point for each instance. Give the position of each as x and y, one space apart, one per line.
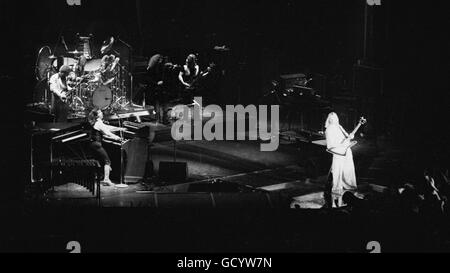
99 132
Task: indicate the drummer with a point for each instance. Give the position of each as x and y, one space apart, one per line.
107 72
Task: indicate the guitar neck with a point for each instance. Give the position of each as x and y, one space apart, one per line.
356 128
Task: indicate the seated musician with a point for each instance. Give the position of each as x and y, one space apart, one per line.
188 74
99 132
59 87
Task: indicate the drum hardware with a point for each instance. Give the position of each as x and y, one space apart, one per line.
124 70
75 53
104 84
44 69
84 42
121 82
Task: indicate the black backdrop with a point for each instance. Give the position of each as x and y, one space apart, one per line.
410 41
407 38
266 37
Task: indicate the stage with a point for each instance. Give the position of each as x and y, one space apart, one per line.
294 176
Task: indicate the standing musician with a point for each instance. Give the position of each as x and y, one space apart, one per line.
188 74
158 82
156 85
342 168
59 87
99 131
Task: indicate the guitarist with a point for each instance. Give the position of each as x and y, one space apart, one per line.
187 76
59 87
342 168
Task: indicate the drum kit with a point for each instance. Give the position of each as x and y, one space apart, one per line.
95 83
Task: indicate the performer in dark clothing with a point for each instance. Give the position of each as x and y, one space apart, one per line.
157 70
190 71
98 131
188 76
155 76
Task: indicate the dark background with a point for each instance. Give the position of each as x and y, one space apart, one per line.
408 39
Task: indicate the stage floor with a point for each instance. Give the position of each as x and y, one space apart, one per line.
283 173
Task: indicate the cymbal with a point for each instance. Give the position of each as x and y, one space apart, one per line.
75 52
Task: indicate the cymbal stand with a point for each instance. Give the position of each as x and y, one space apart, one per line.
130 62
47 91
123 85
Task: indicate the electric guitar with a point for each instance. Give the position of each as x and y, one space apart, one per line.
347 143
195 83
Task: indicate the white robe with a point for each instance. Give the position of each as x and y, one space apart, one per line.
342 168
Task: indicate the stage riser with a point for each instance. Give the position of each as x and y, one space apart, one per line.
205 200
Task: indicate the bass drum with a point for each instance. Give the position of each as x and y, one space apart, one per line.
44 68
102 97
92 65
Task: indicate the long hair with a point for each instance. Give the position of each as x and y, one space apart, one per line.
191 60
331 116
